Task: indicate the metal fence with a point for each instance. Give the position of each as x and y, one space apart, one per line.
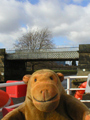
43 50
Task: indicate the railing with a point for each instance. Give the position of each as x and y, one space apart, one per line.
73 89
11 84
68 88
43 50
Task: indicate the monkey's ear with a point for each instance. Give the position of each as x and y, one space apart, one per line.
26 78
61 76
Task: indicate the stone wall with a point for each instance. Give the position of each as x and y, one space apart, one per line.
84 60
2 64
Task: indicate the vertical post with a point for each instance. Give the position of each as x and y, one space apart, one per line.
68 85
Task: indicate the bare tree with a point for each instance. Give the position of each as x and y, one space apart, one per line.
35 40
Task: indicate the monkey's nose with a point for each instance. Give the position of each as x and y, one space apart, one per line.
44 93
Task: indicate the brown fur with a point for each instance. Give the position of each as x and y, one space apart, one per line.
46 99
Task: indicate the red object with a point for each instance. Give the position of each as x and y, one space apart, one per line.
17 90
5 100
5 111
79 93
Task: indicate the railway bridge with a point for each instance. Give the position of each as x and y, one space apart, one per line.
44 54
12 62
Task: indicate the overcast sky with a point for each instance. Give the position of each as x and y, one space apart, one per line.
68 20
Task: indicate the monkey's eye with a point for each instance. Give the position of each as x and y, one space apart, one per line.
35 80
51 78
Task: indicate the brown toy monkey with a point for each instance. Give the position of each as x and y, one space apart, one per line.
46 99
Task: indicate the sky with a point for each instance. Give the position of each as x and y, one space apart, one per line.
68 20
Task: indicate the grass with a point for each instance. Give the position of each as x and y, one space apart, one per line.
65 72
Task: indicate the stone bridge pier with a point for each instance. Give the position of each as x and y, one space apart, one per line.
11 69
84 60
2 65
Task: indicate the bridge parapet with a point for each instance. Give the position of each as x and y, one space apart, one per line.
62 55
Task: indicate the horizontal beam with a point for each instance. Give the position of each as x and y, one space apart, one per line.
12 106
64 55
11 84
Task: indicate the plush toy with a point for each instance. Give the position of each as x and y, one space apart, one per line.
46 99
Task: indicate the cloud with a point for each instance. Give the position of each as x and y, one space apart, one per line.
64 20
10 15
